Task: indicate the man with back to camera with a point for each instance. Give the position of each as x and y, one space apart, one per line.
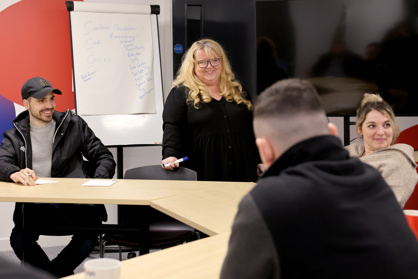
48 143
316 212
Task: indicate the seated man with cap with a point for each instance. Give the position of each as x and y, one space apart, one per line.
48 143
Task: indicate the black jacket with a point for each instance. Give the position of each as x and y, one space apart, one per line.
73 139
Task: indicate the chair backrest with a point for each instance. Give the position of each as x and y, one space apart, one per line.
156 172
412 202
127 214
410 136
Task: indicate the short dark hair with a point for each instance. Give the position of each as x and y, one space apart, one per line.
288 97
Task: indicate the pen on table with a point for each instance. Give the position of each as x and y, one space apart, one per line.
177 161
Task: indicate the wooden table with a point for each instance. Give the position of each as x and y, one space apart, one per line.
207 206
211 211
129 191
199 259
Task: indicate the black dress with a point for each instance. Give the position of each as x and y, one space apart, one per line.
217 138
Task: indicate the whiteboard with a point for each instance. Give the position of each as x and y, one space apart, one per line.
117 71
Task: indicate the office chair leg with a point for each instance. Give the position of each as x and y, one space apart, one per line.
197 234
101 246
131 255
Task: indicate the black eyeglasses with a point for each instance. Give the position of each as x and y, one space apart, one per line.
204 63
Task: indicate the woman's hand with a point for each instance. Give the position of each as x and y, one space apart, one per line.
170 160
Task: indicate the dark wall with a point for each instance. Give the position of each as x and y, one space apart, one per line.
229 22
310 43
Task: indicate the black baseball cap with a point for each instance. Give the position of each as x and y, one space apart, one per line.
38 88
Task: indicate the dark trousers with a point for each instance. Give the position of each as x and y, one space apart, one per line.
24 236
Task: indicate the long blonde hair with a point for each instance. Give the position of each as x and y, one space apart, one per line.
231 89
375 102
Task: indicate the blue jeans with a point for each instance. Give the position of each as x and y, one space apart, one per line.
24 239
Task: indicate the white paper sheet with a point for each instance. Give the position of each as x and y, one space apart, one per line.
43 181
95 182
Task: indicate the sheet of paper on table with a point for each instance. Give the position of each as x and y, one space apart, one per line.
95 182
43 181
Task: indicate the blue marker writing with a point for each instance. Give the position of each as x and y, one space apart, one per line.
177 161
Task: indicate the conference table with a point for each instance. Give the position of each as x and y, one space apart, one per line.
208 206
210 211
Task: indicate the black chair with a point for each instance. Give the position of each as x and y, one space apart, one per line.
164 231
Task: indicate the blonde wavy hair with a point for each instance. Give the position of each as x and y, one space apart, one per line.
230 88
375 102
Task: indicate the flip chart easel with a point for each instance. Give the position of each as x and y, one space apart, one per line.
116 70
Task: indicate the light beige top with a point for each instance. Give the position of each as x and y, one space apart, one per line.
396 164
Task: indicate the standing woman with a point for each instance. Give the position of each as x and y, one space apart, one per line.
208 118
378 131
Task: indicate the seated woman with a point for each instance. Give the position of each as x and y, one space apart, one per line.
378 132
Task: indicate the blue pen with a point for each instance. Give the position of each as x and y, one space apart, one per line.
177 161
